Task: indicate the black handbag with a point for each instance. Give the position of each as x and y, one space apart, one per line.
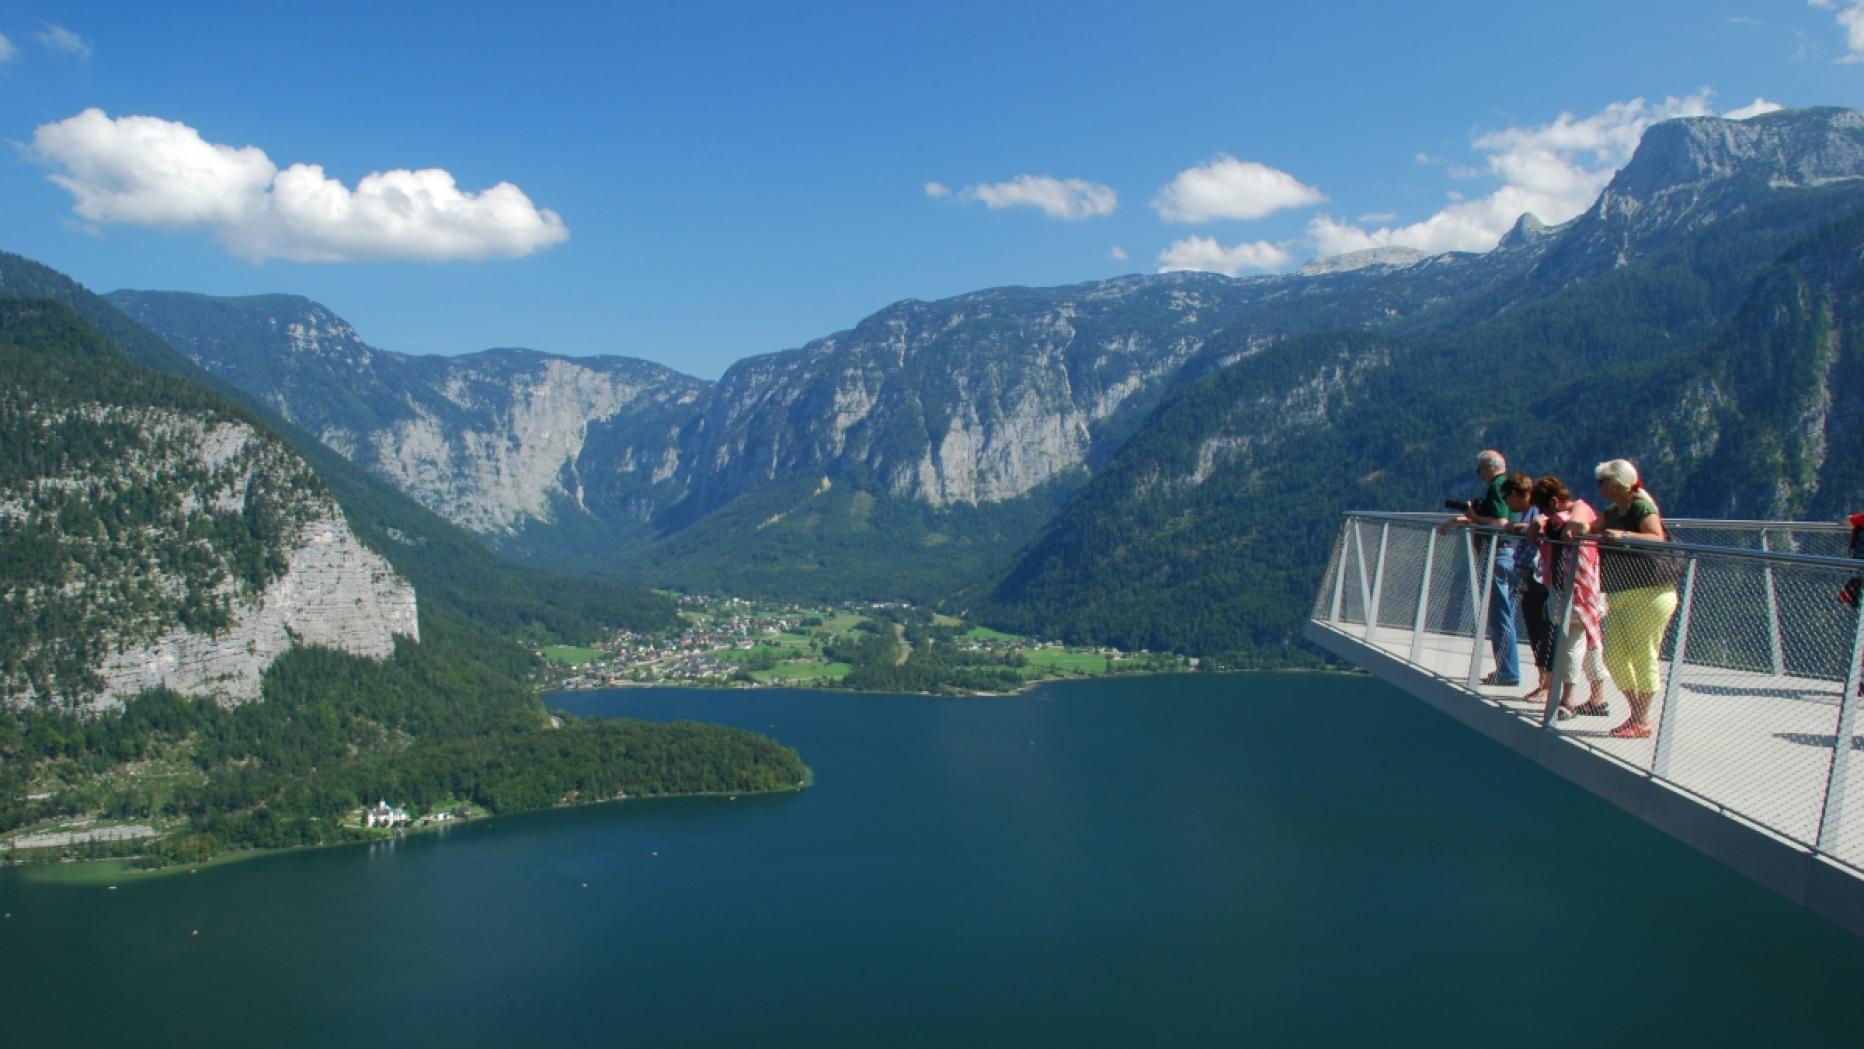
1626 567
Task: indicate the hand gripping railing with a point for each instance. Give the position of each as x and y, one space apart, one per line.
1747 661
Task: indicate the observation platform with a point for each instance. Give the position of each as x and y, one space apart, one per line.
1760 680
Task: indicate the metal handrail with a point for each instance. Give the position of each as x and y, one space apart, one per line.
1705 523
1737 553
1723 524
1771 652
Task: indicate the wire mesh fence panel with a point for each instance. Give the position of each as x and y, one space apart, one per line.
1449 624
1753 735
1843 837
1809 538
1355 575
1454 596
1402 578
1724 670
1323 598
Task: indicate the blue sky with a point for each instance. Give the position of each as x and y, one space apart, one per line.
696 183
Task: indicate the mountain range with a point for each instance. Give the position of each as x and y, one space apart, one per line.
1152 459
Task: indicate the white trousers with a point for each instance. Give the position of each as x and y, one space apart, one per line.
1575 655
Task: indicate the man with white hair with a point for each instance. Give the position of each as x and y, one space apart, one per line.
1491 508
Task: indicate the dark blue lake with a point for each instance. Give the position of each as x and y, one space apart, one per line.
1195 860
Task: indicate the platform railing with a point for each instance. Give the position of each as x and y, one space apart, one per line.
1759 666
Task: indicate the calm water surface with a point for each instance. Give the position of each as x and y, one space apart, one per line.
1196 860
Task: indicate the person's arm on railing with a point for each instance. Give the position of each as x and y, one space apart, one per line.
1649 530
1579 521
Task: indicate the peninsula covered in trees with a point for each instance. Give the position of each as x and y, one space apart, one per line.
335 732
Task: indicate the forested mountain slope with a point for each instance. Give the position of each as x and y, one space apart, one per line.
1208 532
465 590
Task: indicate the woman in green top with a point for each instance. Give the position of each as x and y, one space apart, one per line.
1642 598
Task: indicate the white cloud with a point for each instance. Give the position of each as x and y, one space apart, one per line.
937 190
1753 109
1204 253
7 51
1850 17
1555 171
1379 217
1117 253
58 38
146 171
1070 199
1227 188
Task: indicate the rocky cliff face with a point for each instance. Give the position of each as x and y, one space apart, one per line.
153 536
491 440
972 400
509 443
334 592
1692 173
1679 161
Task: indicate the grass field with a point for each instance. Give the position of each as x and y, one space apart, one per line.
1056 659
804 670
571 655
122 872
984 633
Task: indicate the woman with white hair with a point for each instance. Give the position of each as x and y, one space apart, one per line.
1640 588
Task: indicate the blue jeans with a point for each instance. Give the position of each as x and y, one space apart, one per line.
1504 643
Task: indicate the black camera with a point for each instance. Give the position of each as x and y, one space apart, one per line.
1461 507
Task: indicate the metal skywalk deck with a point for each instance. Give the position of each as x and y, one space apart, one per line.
1761 667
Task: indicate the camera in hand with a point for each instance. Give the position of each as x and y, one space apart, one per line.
1460 506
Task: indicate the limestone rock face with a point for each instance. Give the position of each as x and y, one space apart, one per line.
510 446
493 441
972 400
177 548
334 592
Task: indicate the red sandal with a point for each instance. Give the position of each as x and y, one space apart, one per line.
1631 730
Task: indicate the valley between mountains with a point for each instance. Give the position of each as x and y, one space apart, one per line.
260 572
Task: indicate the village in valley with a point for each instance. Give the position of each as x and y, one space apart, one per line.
731 641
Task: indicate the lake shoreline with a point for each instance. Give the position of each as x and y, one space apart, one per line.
1023 689
89 873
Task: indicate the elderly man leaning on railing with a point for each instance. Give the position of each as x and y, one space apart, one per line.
1491 508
